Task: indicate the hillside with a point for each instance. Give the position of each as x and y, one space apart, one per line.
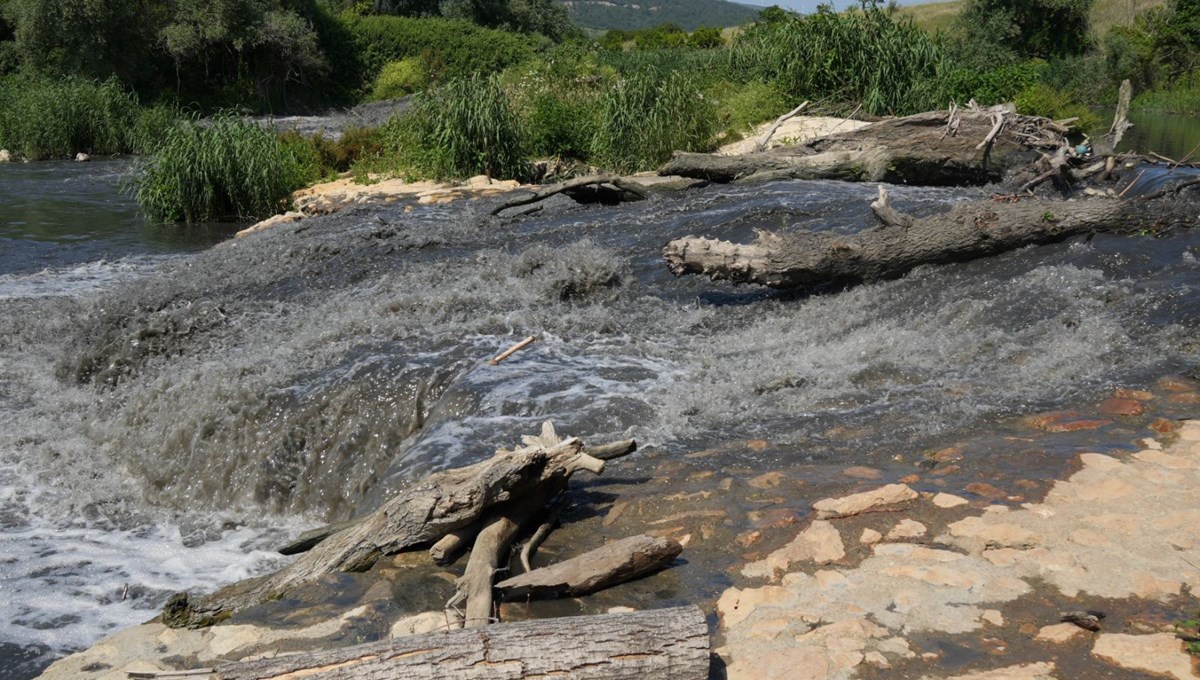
634 14
939 16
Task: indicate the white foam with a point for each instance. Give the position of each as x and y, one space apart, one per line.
71 280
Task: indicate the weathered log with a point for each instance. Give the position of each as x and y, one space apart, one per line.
967 231
665 644
766 138
911 150
612 564
1107 145
490 554
455 540
444 502
585 189
449 547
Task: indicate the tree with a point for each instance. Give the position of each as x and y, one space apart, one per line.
1026 28
705 38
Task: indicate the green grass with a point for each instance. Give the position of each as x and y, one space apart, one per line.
225 169
42 118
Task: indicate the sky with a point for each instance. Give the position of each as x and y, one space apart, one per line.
810 5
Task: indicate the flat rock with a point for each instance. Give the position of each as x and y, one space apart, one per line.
1060 633
947 500
820 543
867 501
1032 671
1161 654
907 528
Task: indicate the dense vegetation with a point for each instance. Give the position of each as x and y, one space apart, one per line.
498 82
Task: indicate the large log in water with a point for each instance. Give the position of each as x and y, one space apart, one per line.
666 644
444 502
939 148
968 231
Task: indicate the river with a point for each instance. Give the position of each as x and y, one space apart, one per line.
169 410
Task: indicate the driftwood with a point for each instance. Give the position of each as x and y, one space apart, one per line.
1107 145
590 189
445 502
969 230
766 138
512 350
617 562
939 148
666 644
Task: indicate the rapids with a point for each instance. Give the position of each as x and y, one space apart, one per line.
163 423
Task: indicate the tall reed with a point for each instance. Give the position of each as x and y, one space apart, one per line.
466 127
224 169
890 66
43 118
645 117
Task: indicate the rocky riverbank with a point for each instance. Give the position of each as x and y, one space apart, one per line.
925 577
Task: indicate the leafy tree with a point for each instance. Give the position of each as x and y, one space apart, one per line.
1025 28
546 17
773 14
94 38
663 36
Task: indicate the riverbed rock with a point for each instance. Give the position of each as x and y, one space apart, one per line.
820 543
1122 407
907 528
5 156
867 501
82 157
275 220
947 501
1160 654
1032 671
1060 633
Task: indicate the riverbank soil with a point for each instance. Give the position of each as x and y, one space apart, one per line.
957 562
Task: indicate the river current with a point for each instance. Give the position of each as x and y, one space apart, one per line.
170 410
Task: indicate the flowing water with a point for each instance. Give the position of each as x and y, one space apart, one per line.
166 416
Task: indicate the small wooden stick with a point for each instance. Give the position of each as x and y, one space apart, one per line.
882 207
537 538
766 138
1135 181
513 350
997 124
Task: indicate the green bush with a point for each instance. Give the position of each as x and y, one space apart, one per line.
642 119
448 48
227 168
1180 100
994 86
399 78
741 107
560 123
43 118
466 127
1043 100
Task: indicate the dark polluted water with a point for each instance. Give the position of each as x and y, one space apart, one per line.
164 425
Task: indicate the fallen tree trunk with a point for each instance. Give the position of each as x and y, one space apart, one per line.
444 502
667 644
590 189
968 231
938 148
617 562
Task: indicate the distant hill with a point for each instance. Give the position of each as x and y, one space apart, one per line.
601 15
939 16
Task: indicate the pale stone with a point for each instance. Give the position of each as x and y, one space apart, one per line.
1033 671
1100 461
876 659
820 543
976 532
907 528
856 504
226 639
1152 444
948 500
417 624
620 610
992 616
1059 633
82 157
1090 538
896 646
1167 460
870 537
735 604
828 579
286 218
1161 653
5 156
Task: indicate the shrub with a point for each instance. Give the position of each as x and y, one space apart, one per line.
1043 100
992 86
228 168
42 119
741 107
448 48
1180 100
560 123
463 128
642 119
399 78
